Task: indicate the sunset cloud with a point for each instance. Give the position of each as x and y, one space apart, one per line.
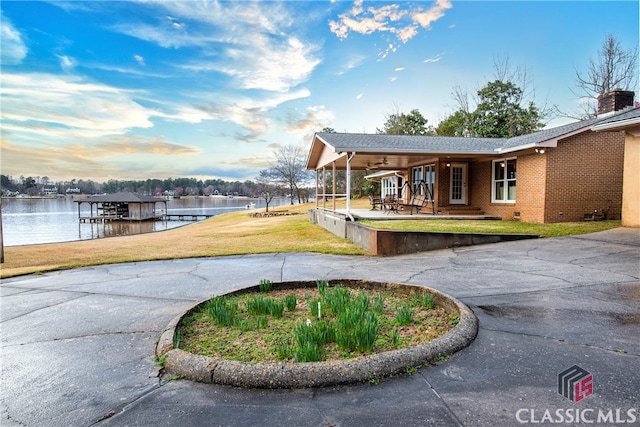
390 18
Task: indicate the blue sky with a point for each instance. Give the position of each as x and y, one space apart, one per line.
209 89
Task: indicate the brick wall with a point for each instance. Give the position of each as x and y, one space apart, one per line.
584 173
530 186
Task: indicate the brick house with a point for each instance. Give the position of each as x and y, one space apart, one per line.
629 123
554 175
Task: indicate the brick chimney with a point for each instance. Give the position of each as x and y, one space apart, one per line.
615 100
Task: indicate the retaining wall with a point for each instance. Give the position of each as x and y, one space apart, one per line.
389 242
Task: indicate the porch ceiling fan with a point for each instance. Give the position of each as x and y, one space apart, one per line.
376 165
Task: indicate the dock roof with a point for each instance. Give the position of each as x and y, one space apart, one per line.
124 197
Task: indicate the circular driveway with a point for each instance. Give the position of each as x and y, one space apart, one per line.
77 346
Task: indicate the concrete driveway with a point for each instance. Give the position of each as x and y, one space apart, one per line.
77 346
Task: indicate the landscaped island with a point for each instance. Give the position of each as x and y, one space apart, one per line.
301 334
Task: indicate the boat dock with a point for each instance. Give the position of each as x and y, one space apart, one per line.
163 217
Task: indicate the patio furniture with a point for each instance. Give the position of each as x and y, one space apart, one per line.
418 202
375 201
390 204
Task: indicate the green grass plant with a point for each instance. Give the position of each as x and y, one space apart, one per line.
222 310
265 285
500 227
404 315
261 305
322 286
336 299
290 302
378 304
427 300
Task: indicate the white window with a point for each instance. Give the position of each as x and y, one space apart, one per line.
423 179
503 181
390 186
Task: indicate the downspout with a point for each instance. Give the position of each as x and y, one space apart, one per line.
349 185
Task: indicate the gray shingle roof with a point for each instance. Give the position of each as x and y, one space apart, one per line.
625 115
373 143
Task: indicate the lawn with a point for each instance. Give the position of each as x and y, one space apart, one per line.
238 233
502 227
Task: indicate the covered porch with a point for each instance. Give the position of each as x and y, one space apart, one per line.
418 176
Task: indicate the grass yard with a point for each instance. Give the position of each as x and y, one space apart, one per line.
502 227
238 233
234 233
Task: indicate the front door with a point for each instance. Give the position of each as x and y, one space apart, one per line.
458 184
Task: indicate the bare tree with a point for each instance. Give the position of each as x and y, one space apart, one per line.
614 68
289 167
266 181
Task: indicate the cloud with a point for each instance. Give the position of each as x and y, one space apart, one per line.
351 63
435 58
390 18
313 120
13 48
67 107
139 59
66 62
426 18
270 66
399 69
254 43
359 96
138 144
130 153
252 114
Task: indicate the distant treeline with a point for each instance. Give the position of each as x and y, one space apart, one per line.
174 186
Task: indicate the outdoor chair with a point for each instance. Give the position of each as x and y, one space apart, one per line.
375 201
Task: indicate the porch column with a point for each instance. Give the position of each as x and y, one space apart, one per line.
317 174
333 182
349 158
324 187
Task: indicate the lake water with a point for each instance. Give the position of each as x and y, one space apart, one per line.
28 221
